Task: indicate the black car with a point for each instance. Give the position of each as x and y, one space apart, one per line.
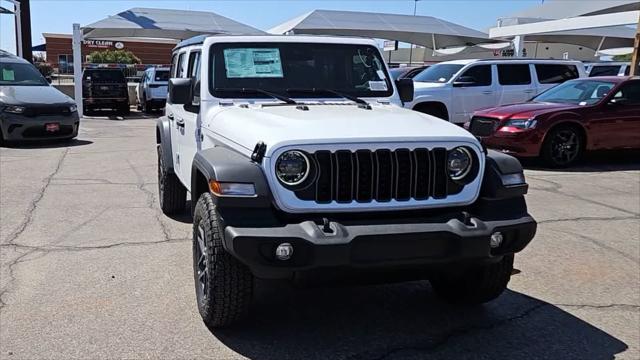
105 89
406 72
30 108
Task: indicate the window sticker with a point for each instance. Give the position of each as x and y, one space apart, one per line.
8 75
378 85
253 63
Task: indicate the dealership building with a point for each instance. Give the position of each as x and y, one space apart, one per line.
60 54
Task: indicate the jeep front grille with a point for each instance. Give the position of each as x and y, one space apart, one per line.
382 175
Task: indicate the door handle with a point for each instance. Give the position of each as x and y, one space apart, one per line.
180 122
529 91
487 92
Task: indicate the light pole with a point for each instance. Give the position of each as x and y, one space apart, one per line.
415 6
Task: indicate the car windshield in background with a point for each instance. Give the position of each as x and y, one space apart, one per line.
439 73
162 75
355 70
579 92
12 74
104 75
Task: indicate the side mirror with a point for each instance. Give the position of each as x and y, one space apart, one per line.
463 81
405 89
49 79
180 91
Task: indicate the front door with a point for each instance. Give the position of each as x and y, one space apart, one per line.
188 118
173 111
617 123
473 90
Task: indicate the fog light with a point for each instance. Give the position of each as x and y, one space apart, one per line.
496 240
284 251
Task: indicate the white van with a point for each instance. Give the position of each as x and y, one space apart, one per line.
610 68
453 90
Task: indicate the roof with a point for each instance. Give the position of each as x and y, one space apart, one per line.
165 24
613 79
278 38
514 60
560 9
421 30
7 57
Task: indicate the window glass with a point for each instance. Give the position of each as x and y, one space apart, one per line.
630 93
181 70
20 75
481 75
194 64
438 73
514 74
627 71
577 92
605 70
296 69
555 73
105 76
162 75
174 65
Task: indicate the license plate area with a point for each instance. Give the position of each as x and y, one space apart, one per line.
52 127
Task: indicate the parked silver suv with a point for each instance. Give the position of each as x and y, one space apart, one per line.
151 92
30 108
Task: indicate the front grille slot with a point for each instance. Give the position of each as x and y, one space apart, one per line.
382 175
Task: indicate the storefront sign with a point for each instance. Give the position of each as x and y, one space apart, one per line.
103 44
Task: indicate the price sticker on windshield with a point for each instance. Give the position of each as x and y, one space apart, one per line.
378 85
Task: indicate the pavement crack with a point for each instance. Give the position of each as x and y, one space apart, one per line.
34 203
600 244
589 218
628 307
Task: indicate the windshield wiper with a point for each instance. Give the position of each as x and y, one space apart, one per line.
259 91
355 99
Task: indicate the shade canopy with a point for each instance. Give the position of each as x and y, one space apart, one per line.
560 9
5 11
597 39
420 30
165 24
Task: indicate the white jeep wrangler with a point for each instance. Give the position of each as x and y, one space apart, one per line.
300 160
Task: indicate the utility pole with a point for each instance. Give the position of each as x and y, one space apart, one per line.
23 28
415 6
635 59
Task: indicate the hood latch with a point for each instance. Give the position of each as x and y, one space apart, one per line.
258 152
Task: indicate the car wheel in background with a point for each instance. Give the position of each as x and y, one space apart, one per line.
172 195
434 109
124 110
474 285
562 146
224 286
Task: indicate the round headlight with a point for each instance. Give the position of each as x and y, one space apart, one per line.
292 167
459 163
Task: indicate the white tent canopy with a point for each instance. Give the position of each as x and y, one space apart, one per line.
427 31
165 23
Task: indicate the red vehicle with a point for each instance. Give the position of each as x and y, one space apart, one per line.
561 123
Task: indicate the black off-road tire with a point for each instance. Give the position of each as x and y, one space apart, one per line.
224 286
475 285
172 195
124 110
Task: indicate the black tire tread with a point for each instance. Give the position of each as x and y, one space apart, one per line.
477 285
230 281
173 199
545 151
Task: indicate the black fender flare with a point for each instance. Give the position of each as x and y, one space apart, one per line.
497 166
225 165
163 138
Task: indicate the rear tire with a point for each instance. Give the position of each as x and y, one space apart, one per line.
171 193
562 147
475 285
224 286
124 110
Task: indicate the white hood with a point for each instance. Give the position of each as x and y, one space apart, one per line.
417 85
283 125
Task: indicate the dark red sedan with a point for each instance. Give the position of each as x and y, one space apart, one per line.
561 123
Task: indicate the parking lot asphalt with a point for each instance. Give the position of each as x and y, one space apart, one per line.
90 268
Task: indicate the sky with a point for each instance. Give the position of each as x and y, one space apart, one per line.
57 16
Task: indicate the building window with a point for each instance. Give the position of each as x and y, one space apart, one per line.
65 64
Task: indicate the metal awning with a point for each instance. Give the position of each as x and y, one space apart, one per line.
5 11
427 31
165 24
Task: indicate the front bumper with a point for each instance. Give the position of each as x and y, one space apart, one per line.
18 127
376 245
522 144
106 102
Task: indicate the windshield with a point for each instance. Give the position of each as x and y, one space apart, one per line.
281 68
162 75
21 75
577 92
440 73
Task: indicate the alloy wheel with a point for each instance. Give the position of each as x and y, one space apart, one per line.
565 146
200 265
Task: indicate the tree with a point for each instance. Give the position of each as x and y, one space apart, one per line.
626 57
113 57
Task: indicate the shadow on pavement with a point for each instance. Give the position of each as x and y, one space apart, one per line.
113 116
183 217
48 144
407 321
597 161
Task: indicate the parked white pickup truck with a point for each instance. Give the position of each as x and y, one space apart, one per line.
299 159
